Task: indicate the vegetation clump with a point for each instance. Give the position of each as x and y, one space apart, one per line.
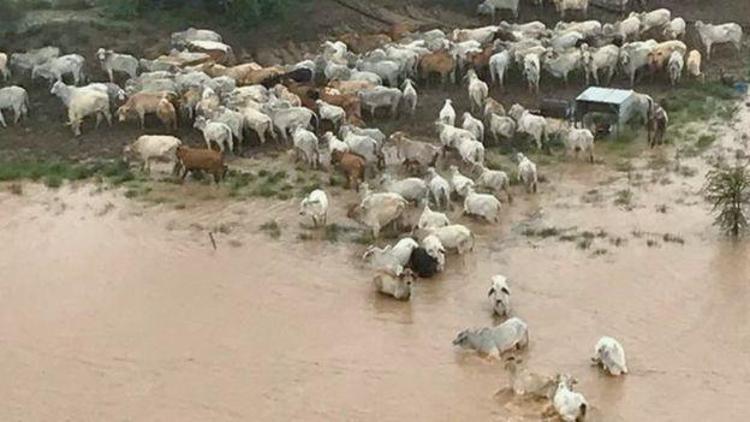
727 189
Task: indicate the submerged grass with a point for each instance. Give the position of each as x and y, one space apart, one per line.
272 228
54 171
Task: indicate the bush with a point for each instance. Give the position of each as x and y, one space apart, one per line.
728 191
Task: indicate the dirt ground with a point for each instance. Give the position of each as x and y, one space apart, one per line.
44 134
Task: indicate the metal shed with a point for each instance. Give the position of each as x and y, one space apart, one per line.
616 102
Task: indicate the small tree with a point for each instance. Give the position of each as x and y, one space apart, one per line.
728 191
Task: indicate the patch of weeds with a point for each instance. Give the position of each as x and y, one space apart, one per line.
283 196
265 191
690 151
15 189
332 232
336 180
240 180
600 252
662 208
651 243
617 241
53 181
131 193
543 233
726 112
226 228
672 238
272 228
588 235
704 141
263 173
568 238
624 198
364 238
658 161
277 177
584 243
624 165
687 171
592 196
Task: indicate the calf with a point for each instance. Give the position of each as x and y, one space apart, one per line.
196 159
352 165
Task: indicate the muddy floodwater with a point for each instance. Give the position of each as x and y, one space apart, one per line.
116 310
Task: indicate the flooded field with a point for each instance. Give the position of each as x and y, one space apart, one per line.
118 310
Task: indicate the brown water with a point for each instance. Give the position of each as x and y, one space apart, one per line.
114 310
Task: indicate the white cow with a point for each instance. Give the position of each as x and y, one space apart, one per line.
610 354
473 125
499 296
499 65
447 113
461 184
674 67
579 140
14 98
315 206
492 342
718 34
569 404
478 91
440 190
150 148
530 124
527 173
430 218
482 205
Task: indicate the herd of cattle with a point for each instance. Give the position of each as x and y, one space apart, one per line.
361 75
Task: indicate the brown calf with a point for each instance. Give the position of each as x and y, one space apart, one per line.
199 159
352 165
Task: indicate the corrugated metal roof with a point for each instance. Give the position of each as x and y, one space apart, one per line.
597 94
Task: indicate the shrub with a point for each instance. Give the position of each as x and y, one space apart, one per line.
728 191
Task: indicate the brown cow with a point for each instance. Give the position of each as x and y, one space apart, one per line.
199 159
237 73
349 102
440 62
352 165
143 103
481 61
361 44
261 76
166 112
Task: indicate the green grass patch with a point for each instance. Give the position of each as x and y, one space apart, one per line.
272 228
624 198
704 141
53 171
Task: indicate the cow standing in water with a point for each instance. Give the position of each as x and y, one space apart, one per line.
657 125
